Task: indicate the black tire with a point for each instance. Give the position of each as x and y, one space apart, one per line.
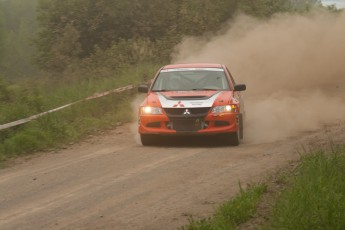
147 139
241 126
234 138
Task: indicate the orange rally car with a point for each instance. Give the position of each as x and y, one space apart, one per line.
192 99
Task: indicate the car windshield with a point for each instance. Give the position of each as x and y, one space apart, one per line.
187 79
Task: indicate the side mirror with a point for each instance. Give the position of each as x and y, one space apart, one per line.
143 89
240 87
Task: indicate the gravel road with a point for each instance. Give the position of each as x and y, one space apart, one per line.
112 182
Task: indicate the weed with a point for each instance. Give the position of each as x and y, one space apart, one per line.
232 213
316 196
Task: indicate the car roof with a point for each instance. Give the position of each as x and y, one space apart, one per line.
193 65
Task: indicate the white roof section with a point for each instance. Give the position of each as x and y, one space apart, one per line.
192 69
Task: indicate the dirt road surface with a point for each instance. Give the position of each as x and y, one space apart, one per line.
112 182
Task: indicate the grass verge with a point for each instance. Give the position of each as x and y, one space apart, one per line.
311 196
315 194
26 98
69 124
232 213
66 126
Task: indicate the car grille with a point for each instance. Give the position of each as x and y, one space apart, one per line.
187 119
178 112
187 125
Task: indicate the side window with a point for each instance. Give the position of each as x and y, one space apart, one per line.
231 78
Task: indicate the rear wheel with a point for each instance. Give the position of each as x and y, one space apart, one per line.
147 139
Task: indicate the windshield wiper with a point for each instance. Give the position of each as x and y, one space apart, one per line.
206 89
160 90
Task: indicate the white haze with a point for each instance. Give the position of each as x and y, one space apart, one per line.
293 67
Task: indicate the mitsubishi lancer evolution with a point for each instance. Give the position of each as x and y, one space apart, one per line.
192 99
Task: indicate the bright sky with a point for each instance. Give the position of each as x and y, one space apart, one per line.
338 3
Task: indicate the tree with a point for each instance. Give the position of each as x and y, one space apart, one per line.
264 8
1 35
303 5
100 24
18 27
78 29
198 17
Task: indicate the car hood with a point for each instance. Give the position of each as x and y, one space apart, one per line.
189 99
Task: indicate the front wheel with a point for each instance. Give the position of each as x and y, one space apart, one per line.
147 139
233 138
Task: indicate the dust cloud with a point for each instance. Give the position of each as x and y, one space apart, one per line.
293 66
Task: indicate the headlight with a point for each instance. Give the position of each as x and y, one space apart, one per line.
146 110
224 109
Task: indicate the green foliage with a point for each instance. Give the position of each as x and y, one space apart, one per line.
69 124
316 197
1 37
264 8
74 32
4 91
81 28
198 17
120 55
131 31
19 27
232 213
65 126
304 5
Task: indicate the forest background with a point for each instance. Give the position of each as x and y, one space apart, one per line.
61 36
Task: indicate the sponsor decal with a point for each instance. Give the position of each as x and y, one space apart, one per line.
196 103
179 105
169 103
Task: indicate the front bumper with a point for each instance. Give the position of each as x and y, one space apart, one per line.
208 125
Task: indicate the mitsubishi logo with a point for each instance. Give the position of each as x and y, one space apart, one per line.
186 112
179 104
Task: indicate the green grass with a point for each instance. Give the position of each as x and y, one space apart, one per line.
315 197
232 213
72 123
40 95
66 126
